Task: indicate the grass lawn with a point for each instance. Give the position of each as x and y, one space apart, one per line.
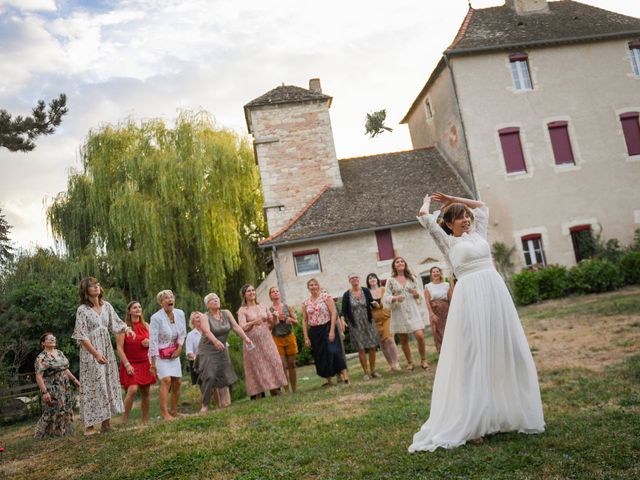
588 356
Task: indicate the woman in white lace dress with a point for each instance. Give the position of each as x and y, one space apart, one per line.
486 380
402 297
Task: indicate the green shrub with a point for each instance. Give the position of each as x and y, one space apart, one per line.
630 266
553 282
594 276
238 391
526 287
304 356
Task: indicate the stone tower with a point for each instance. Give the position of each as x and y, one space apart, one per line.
294 149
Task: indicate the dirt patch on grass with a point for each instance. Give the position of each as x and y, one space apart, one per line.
583 341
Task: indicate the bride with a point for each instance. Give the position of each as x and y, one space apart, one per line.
486 380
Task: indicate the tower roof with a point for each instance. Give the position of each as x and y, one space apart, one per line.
287 94
566 21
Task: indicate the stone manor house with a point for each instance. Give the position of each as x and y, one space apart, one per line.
534 108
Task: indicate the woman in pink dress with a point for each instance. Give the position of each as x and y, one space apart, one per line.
262 365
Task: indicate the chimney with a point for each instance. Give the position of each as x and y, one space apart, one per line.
524 7
314 85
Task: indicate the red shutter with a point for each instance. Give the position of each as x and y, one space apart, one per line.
579 228
634 44
385 245
631 130
518 57
559 133
512 150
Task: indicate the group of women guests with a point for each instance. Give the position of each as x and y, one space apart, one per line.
374 315
150 352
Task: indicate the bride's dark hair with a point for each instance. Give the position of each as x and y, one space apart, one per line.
453 212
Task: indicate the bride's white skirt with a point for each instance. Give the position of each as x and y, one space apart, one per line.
486 380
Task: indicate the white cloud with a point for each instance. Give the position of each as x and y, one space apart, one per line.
146 58
30 5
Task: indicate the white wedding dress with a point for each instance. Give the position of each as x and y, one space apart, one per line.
486 380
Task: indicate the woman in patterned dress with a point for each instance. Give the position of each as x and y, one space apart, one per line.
382 319
52 377
437 294
167 333
319 316
135 369
100 396
402 296
356 310
262 364
213 364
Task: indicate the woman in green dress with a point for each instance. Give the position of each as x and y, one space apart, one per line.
52 377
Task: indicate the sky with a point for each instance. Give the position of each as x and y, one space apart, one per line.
139 59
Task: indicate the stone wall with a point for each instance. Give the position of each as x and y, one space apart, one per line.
296 156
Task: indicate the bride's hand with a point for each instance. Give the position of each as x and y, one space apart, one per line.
425 205
442 198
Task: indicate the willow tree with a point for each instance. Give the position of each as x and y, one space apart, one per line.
157 207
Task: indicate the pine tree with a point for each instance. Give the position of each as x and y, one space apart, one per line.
6 250
18 134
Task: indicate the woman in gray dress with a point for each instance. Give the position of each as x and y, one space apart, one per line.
356 310
213 363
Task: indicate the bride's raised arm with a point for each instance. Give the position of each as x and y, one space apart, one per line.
447 199
430 222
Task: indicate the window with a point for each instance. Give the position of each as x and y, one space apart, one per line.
307 262
427 108
512 150
520 71
631 131
532 248
560 143
385 245
634 52
583 242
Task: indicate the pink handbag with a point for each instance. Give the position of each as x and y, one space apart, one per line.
166 352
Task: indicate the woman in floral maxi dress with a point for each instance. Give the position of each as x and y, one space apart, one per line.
100 396
262 364
52 377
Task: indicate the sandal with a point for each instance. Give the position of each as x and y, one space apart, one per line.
425 365
410 367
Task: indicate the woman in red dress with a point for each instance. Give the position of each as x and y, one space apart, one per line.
134 361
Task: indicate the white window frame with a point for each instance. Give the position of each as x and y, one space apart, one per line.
531 250
318 269
521 75
634 53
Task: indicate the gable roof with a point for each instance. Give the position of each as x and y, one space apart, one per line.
501 28
287 94
567 21
379 191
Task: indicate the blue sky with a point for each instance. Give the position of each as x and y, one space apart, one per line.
149 58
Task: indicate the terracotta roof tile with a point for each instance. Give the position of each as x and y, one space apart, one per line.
378 191
287 94
567 21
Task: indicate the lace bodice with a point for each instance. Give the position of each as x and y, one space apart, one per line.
464 251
